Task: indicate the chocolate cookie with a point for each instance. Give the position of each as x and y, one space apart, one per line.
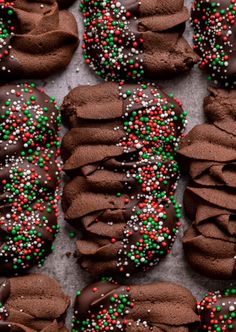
132 39
119 153
208 155
29 176
215 38
36 39
33 303
108 306
217 311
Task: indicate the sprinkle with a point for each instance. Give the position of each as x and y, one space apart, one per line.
217 311
108 314
154 130
29 174
213 23
110 46
7 30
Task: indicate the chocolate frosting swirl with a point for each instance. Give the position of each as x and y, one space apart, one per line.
39 39
29 176
34 303
208 155
158 307
121 191
131 40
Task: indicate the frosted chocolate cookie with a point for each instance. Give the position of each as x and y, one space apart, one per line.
119 154
217 311
108 306
133 40
29 176
36 39
214 39
34 303
208 155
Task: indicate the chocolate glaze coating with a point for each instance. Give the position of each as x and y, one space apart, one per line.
65 3
147 43
215 39
158 307
36 39
217 311
122 180
29 176
33 303
208 155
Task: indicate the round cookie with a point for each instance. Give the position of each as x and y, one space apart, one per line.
34 303
108 306
36 39
29 176
119 154
129 40
214 39
217 311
